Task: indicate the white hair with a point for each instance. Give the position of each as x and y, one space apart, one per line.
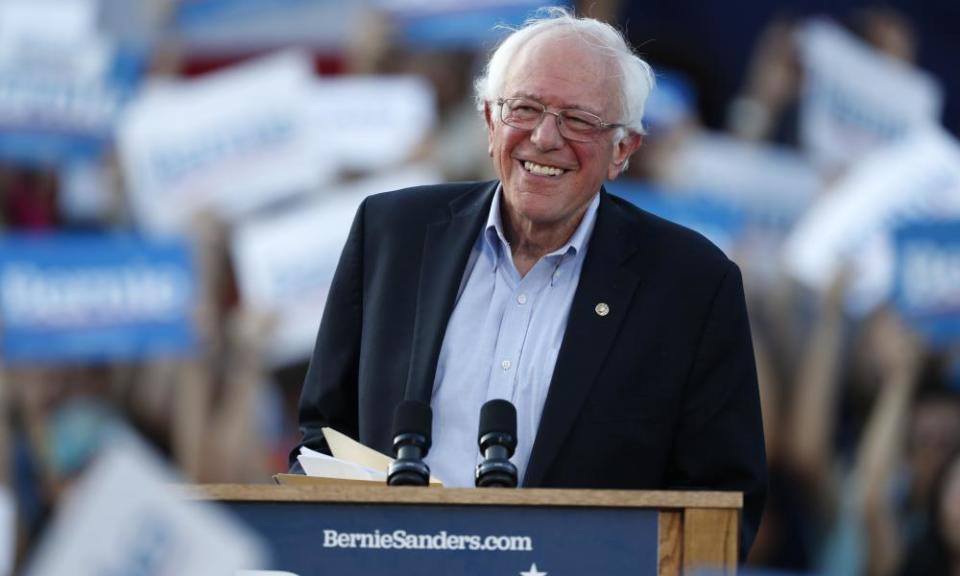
636 78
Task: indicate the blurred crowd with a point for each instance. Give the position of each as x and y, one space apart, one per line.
860 385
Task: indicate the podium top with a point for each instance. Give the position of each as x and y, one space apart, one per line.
354 493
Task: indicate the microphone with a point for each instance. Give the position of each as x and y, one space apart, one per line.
412 422
498 439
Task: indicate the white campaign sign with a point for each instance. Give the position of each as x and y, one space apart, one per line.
757 178
285 262
126 517
8 531
856 99
58 36
49 19
232 142
327 26
442 6
373 122
916 179
54 70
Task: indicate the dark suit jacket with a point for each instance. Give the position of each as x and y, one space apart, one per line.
659 393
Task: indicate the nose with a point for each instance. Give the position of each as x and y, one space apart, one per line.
546 135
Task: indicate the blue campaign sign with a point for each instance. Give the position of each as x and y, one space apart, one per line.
47 118
463 25
927 278
720 223
69 298
311 539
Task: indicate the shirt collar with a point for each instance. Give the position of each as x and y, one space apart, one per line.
495 241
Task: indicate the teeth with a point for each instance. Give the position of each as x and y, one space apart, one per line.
541 170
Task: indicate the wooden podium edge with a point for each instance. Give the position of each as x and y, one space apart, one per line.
363 493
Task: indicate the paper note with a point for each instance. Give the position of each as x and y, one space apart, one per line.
346 448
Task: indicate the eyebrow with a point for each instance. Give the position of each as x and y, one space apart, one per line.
531 96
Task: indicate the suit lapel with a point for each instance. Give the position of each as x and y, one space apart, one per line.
589 334
445 253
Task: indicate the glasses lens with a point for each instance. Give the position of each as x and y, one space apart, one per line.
521 113
580 123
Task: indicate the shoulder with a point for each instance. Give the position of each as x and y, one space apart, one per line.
667 247
427 201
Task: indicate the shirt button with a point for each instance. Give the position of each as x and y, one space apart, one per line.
522 299
505 364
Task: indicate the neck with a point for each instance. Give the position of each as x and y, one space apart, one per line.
530 241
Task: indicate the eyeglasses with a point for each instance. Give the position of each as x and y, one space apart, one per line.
573 124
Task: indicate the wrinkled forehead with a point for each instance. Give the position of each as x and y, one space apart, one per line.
562 68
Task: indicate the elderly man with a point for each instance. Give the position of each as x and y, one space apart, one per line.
621 338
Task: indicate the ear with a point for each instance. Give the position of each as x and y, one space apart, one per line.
622 151
488 118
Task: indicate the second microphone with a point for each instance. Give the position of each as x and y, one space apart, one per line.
498 440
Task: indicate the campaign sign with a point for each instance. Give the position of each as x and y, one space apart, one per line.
67 298
372 122
310 539
854 98
230 142
927 280
719 222
126 517
772 184
457 24
62 84
241 26
285 261
849 227
8 531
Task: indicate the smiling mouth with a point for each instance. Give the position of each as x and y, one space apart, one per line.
542 170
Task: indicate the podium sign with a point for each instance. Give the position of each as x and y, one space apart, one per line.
402 540
359 529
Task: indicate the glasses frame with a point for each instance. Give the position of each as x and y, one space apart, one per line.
562 127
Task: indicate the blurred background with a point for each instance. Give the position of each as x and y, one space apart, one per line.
177 178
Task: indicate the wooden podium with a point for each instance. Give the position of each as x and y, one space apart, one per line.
691 529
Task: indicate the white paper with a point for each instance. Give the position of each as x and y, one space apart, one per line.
323 466
126 516
346 449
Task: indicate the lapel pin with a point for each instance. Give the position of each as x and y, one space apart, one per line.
602 309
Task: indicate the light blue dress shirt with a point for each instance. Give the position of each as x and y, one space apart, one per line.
501 342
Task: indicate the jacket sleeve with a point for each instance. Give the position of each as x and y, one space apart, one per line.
719 441
329 396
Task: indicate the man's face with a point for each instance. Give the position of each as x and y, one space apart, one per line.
560 71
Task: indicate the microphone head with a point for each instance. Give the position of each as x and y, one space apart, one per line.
500 417
413 417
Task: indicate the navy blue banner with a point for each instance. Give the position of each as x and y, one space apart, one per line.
927 278
311 539
68 298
